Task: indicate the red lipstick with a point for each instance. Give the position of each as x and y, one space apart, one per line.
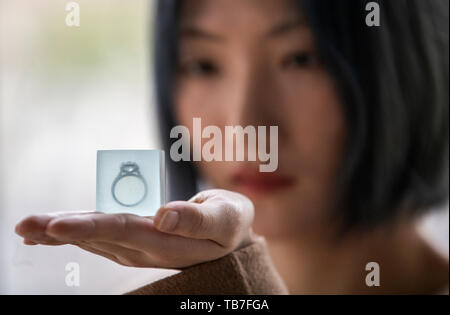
251 181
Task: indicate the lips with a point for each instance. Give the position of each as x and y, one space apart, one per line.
251 181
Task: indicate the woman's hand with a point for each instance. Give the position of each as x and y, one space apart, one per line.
183 233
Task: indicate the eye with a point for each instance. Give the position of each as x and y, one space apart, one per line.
199 68
301 60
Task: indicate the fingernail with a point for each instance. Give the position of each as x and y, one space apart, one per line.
169 221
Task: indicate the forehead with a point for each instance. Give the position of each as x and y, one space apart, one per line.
236 14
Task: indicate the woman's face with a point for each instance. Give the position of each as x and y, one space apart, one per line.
254 63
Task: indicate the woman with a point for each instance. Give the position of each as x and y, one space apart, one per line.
362 116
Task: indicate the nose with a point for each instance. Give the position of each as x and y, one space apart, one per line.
254 103
255 95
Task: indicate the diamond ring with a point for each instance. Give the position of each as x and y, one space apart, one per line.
129 188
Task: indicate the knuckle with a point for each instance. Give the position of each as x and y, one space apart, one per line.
232 217
230 234
233 224
233 227
199 222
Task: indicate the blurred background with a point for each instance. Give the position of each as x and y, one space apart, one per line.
66 92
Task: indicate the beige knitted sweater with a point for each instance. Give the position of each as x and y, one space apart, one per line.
246 271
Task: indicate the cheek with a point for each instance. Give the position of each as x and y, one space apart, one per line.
187 104
315 120
194 100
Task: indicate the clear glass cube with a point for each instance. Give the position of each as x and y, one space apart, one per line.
130 181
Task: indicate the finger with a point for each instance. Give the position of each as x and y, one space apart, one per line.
98 227
133 232
126 230
33 227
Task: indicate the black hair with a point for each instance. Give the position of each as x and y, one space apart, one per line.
393 81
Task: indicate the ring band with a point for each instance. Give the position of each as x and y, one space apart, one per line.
129 169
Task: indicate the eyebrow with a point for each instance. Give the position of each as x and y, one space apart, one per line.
195 32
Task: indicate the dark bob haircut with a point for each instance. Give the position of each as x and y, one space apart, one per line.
393 82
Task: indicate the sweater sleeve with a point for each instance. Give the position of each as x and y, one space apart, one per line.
243 272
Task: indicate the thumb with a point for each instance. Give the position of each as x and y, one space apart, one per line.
186 219
226 223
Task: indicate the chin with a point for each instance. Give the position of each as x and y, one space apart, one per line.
281 217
